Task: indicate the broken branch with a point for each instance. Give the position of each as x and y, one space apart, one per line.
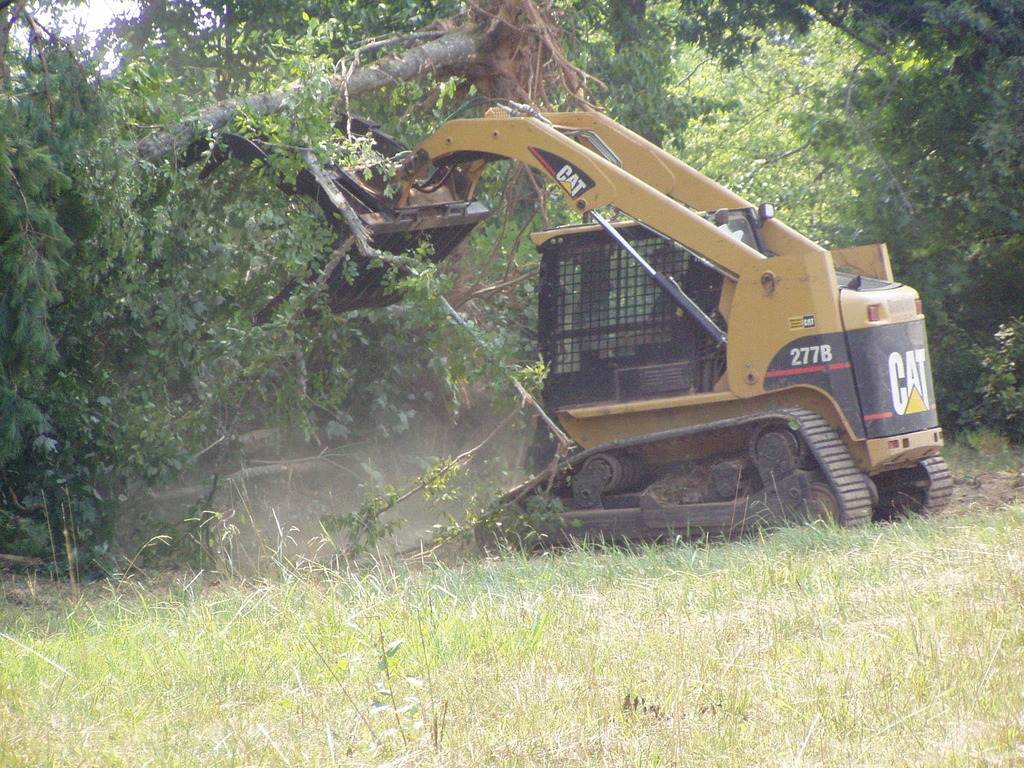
351 217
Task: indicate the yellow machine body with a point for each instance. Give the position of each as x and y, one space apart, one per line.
805 333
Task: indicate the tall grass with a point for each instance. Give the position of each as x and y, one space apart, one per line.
894 645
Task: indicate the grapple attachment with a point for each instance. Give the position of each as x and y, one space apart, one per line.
437 218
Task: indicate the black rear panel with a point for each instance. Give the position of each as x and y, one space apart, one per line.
608 332
894 378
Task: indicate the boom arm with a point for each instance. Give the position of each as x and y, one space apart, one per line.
597 163
588 179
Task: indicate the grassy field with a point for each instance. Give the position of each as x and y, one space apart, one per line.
893 645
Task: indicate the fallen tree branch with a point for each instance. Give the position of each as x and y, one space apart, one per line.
443 469
337 255
498 287
376 45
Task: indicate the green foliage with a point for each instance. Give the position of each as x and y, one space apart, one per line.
635 48
358 532
231 45
942 118
986 442
130 345
32 245
50 113
632 51
1003 381
780 132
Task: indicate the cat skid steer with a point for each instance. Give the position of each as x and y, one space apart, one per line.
716 369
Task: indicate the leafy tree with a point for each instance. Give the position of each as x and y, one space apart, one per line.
130 341
781 133
232 44
50 116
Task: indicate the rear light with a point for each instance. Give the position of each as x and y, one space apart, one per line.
919 306
874 313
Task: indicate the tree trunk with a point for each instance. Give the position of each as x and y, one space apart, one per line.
457 50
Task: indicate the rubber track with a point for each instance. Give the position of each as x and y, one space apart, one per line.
940 486
850 486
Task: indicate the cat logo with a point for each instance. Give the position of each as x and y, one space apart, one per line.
801 322
569 178
574 181
908 380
